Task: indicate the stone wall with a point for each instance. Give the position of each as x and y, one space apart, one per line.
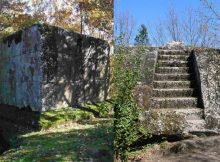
46 67
75 68
20 69
208 62
144 90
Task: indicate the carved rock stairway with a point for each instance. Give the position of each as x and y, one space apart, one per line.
174 89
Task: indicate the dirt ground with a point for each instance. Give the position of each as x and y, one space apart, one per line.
198 149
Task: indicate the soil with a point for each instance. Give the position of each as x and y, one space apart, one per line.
197 149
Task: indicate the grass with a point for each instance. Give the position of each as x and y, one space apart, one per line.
67 135
57 117
85 112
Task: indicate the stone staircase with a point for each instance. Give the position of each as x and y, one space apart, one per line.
174 89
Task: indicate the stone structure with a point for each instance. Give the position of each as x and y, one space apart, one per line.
46 67
175 45
182 93
208 65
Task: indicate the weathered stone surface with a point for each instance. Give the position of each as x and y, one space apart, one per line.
158 122
175 45
75 68
48 67
20 69
172 84
143 94
172 77
175 95
174 102
148 68
208 62
186 93
177 92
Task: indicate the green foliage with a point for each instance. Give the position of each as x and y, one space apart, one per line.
67 134
126 74
56 117
142 37
76 142
104 109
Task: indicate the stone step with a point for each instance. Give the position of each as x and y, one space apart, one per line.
173 63
197 125
172 69
171 77
187 113
175 102
184 92
173 57
172 84
173 52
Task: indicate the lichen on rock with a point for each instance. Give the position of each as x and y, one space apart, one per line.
163 123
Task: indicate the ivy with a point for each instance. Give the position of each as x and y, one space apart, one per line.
126 65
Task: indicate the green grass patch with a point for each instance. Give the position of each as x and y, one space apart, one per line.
78 142
67 134
56 117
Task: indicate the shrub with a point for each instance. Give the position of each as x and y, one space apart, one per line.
126 73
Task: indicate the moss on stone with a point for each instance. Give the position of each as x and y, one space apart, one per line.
163 123
143 94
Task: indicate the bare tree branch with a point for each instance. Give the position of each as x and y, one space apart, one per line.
124 28
173 25
211 8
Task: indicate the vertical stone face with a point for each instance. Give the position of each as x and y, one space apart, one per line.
208 62
149 66
20 69
46 67
144 91
75 68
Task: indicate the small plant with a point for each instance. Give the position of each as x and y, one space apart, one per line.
104 109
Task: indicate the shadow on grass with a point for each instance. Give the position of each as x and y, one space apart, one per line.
96 107
80 143
15 122
88 109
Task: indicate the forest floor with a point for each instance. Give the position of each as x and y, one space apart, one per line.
67 135
197 149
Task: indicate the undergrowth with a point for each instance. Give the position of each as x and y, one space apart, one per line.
67 134
126 67
59 116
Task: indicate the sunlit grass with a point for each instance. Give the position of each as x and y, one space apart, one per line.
66 135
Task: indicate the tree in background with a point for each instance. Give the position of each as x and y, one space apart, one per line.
157 33
91 17
211 14
142 36
211 7
124 25
173 25
190 27
13 17
197 28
